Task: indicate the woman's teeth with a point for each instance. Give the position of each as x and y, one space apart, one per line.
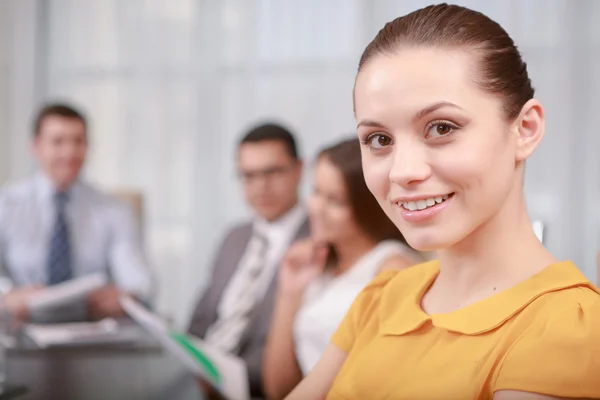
424 203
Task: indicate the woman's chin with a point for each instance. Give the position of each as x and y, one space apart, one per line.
426 243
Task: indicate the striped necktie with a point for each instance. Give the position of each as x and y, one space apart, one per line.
226 332
59 254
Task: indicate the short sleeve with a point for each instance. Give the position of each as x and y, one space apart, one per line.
560 355
364 304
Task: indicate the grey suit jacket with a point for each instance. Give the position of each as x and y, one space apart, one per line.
253 339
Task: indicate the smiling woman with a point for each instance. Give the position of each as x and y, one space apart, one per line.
447 118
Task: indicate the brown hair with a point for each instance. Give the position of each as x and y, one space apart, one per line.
56 109
272 132
366 211
502 71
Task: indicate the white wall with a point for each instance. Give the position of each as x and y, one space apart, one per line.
170 86
19 84
4 95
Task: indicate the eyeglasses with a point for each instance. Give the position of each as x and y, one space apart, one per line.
268 174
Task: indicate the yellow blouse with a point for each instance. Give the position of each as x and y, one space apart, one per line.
542 336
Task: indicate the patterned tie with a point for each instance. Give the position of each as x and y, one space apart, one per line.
226 332
59 256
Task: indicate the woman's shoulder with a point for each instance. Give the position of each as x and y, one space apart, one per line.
560 288
578 303
562 307
556 348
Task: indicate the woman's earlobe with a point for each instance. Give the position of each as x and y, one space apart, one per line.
530 129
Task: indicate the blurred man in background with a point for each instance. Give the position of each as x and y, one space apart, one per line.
235 310
54 227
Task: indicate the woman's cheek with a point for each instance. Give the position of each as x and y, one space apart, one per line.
377 177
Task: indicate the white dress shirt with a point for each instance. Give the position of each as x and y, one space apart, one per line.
103 233
279 235
328 299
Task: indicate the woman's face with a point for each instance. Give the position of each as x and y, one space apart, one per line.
330 213
438 153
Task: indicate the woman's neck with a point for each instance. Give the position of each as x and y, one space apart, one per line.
350 251
501 253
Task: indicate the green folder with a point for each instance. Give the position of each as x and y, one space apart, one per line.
211 370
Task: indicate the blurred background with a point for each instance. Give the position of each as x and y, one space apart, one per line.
169 86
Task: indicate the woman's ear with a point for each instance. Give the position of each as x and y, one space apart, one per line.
530 127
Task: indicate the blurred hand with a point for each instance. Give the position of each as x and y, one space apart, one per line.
104 303
304 261
16 301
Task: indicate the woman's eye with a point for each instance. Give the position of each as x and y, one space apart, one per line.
377 141
440 129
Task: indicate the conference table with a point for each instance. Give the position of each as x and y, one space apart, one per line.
108 371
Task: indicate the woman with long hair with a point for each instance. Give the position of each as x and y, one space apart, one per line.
351 241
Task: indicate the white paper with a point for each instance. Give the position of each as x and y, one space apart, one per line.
226 373
105 331
66 293
234 372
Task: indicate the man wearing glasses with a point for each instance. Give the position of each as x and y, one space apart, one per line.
234 312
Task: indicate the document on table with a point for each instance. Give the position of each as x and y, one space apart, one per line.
226 373
102 332
66 293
